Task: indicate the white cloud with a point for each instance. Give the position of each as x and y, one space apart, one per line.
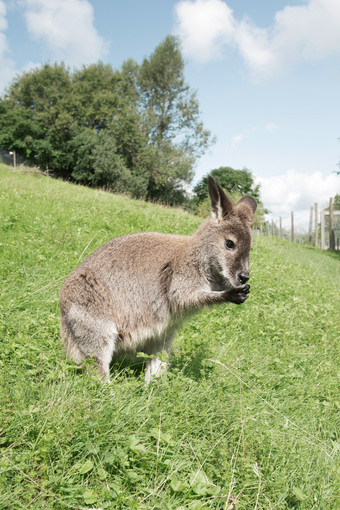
205 27
297 192
254 46
304 32
67 28
311 30
237 139
7 65
271 126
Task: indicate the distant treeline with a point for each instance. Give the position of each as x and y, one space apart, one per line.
135 130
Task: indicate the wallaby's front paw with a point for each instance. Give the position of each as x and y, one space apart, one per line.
238 296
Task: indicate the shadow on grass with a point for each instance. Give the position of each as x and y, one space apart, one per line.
334 254
192 363
126 367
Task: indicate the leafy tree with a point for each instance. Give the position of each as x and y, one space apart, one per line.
233 181
164 167
337 202
109 169
36 123
82 147
95 95
136 129
237 183
173 116
19 129
165 95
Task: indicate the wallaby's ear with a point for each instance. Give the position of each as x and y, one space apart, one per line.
246 208
221 205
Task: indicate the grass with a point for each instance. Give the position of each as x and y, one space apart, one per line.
248 416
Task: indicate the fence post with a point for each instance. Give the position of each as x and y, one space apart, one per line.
316 226
280 227
322 216
310 235
331 226
272 228
14 159
292 228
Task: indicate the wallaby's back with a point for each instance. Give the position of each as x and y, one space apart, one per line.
135 272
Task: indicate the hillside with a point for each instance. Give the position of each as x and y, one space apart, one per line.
257 427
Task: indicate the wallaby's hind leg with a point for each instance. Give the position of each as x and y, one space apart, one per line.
71 347
86 337
87 326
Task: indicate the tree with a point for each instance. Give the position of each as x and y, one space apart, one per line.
173 116
95 95
19 129
233 181
237 183
82 147
36 122
110 170
143 120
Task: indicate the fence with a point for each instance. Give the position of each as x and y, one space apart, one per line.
324 229
11 158
8 158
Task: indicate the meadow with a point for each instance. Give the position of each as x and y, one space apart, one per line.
248 416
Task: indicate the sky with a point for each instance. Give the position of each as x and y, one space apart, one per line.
266 73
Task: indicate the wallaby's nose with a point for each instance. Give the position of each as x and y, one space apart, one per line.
244 277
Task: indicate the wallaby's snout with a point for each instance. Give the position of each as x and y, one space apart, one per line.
243 277
133 293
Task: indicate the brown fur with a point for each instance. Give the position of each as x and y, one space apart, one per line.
134 292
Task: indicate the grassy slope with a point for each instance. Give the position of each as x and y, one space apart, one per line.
262 430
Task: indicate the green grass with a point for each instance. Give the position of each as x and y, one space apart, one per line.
257 426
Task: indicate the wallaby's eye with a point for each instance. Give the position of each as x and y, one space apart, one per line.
230 245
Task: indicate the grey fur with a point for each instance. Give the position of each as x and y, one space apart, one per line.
133 293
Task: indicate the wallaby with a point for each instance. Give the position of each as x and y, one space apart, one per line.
133 293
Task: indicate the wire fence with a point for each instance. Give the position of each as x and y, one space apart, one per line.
11 158
323 232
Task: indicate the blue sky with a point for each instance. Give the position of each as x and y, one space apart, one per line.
267 75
